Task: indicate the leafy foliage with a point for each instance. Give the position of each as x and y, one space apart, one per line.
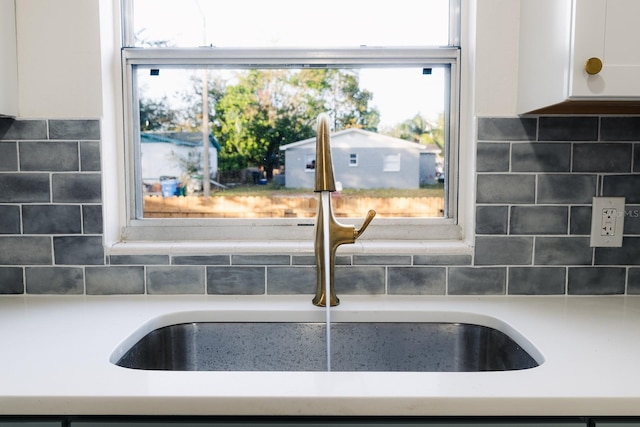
155 115
253 112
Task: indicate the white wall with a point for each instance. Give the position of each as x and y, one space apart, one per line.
8 59
496 56
59 68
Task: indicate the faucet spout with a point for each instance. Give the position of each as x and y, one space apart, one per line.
338 234
325 180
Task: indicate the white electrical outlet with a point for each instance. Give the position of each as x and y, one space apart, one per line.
607 221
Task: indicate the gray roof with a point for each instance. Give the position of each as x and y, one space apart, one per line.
185 139
358 138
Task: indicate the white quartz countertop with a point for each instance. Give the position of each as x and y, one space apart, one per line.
56 352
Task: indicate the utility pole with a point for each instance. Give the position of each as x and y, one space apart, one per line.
206 146
206 183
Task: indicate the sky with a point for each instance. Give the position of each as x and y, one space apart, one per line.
295 23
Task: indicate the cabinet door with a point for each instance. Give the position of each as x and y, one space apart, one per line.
606 29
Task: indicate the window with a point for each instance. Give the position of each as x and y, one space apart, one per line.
310 163
235 119
391 163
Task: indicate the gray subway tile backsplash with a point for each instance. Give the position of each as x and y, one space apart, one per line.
25 250
443 260
620 129
535 179
173 280
492 219
49 156
11 129
563 251
633 281
92 219
537 280
24 188
632 219
8 156
504 250
11 280
55 280
566 188
360 280
52 219
291 280
541 157
9 219
506 188
628 254
416 281
76 187
78 250
580 220
477 281
567 128
115 280
74 129
507 129
382 260
139 260
260 259
539 220
493 157
627 186
596 281
200 260
602 157
90 156
234 280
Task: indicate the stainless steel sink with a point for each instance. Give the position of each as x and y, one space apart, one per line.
301 346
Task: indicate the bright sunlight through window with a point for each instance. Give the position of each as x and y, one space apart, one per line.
223 99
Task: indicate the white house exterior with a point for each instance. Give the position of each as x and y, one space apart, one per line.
361 159
160 152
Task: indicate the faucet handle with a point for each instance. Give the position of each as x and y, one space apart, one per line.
365 224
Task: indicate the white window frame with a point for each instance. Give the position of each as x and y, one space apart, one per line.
269 234
353 160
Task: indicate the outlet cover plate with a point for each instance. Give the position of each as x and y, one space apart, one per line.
607 221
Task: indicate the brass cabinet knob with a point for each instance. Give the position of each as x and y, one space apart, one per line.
593 66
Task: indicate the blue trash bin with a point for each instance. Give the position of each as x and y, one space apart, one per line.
169 187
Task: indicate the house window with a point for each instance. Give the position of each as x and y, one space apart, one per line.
236 117
391 163
310 163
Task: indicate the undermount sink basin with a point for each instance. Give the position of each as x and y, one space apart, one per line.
301 346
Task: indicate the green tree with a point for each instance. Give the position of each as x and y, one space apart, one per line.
155 115
437 133
268 108
419 129
242 115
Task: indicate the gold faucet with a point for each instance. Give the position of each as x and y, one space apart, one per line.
339 234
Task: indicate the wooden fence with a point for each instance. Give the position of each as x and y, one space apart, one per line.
280 206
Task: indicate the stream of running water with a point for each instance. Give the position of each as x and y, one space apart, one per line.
325 195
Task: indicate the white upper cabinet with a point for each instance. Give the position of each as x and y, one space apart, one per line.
557 40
